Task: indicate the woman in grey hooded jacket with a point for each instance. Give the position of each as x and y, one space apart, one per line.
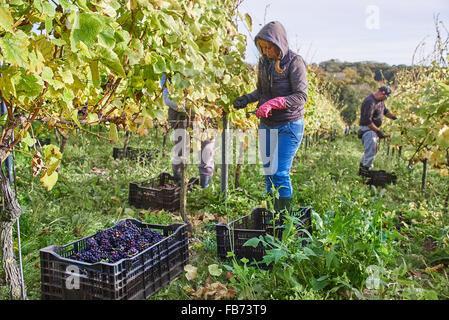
281 94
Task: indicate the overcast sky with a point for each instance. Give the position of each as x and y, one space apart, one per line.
351 30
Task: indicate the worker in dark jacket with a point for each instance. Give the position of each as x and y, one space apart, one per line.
371 116
281 94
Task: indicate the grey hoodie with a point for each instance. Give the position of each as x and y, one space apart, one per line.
292 83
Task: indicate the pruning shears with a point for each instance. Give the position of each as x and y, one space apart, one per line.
248 113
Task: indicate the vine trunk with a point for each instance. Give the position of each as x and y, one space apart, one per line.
9 214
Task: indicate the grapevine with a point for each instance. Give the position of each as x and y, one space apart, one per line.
422 103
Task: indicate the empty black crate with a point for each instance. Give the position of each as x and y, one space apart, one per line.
134 278
380 178
162 192
135 154
232 237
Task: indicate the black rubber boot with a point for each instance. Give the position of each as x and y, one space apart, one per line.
364 171
283 205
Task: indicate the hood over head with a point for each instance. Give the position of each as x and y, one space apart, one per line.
276 34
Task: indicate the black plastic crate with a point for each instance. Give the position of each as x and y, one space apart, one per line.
380 178
134 154
162 192
134 278
232 237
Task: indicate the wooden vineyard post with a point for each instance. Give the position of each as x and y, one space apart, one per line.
424 174
224 157
446 202
184 177
241 152
125 145
164 141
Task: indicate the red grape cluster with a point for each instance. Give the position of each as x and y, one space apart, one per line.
122 241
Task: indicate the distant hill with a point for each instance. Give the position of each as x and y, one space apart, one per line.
382 72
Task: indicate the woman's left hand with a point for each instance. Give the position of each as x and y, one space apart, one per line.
264 110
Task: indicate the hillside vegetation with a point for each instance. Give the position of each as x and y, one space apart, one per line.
348 83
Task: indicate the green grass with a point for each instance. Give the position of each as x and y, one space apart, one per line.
355 225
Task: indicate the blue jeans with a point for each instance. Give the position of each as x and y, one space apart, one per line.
278 146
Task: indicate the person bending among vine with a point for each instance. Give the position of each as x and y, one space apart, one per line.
179 119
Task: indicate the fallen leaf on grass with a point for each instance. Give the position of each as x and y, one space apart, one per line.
196 244
369 292
214 270
129 212
191 272
199 219
429 270
98 171
116 199
416 273
216 291
223 220
229 275
175 217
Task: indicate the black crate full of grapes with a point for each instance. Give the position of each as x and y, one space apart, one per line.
130 261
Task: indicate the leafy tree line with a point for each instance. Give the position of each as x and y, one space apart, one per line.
379 71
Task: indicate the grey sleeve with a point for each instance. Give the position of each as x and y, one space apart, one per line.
170 103
298 81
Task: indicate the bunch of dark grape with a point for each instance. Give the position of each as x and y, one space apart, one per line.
113 244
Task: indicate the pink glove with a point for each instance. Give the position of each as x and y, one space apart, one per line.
264 110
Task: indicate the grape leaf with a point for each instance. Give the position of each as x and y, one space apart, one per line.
191 272
6 20
110 59
14 48
87 27
48 181
113 134
214 270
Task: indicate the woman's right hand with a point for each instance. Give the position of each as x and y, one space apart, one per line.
240 102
